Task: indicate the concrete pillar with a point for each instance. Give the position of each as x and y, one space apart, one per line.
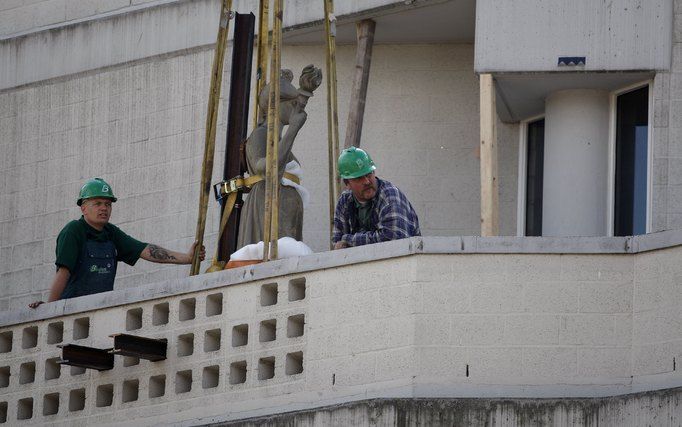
576 163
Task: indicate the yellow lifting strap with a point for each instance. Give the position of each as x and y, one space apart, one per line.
230 188
239 183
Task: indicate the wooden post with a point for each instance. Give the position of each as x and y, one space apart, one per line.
271 218
262 53
211 122
489 184
358 95
332 114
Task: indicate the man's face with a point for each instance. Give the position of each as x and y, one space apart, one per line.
364 188
96 211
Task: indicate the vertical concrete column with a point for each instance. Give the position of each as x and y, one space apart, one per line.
576 163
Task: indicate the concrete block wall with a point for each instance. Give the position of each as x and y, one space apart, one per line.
657 337
425 325
141 127
573 314
233 343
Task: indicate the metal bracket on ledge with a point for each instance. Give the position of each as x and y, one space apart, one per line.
86 357
140 347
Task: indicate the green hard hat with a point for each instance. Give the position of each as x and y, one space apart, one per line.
96 187
354 163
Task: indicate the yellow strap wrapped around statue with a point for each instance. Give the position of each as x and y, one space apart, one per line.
239 183
230 188
229 205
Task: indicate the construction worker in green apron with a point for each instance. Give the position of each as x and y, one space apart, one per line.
88 249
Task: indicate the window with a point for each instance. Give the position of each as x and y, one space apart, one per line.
632 127
535 140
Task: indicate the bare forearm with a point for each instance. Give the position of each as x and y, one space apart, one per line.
155 253
58 283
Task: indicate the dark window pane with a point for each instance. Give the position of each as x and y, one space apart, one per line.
632 124
534 172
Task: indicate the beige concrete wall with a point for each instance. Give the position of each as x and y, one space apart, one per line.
141 127
427 325
667 162
528 36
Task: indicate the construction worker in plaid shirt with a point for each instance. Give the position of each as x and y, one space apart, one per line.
371 210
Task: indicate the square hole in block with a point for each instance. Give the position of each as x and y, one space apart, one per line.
130 361
297 289
77 400
268 294
81 328
238 372
268 330
295 325
25 409
50 404
187 309
27 372
294 363
6 341
210 376
185 344
29 338
160 314
131 390
55 332
105 395
133 319
212 340
183 381
157 386
240 335
4 376
3 412
77 370
266 368
52 368
214 304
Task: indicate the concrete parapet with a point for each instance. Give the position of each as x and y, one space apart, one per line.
388 320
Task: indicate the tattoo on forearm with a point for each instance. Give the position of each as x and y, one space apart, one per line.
159 253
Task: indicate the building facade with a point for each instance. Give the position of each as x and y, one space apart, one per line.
589 120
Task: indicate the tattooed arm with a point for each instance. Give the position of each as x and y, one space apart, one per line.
158 254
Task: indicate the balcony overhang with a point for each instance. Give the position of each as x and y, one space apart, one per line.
434 21
522 95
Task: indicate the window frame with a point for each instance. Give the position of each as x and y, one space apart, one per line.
611 172
523 174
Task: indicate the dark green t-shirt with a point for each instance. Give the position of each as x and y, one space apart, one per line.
73 236
364 214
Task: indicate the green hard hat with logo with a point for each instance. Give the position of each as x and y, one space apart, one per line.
354 163
96 187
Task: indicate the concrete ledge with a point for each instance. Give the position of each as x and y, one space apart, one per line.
651 408
363 254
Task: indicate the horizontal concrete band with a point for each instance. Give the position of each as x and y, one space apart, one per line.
319 261
139 32
420 411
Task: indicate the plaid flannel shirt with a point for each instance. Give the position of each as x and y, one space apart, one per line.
392 218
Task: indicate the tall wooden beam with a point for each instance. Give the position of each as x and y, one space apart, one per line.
271 220
211 124
332 113
363 59
489 185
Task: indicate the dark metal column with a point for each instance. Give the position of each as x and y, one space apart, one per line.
237 121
